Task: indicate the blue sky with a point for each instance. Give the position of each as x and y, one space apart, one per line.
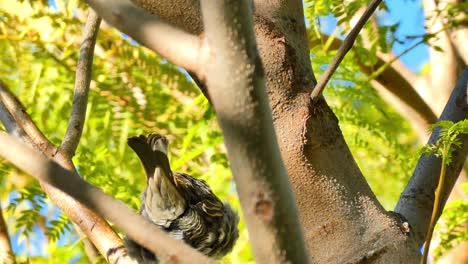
409 14
411 18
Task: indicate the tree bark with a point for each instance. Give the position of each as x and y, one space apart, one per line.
141 230
417 199
335 202
20 124
241 105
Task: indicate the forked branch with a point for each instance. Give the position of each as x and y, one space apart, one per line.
135 226
20 124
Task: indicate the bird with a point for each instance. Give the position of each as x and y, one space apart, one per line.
183 206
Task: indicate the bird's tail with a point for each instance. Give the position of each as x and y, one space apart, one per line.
161 201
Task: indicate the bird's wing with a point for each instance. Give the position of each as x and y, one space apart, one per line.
161 201
198 194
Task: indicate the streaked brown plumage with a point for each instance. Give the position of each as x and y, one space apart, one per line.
183 206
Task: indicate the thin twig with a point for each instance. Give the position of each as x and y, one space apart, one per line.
382 68
400 84
134 225
343 50
177 46
388 63
436 211
79 106
82 82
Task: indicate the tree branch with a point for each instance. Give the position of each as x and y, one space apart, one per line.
135 226
23 120
10 123
244 114
82 81
108 243
396 81
184 14
397 86
416 201
177 46
344 48
458 37
446 66
6 253
201 85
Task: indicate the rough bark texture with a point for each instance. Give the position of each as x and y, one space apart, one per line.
149 30
243 111
335 202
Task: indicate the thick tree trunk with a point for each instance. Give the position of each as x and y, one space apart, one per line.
336 204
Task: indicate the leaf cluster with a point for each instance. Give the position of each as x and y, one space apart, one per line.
448 139
451 228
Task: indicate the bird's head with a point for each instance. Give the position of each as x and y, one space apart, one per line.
158 143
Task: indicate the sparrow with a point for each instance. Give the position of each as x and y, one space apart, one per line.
183 206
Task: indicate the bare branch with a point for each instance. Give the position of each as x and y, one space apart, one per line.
394 79
10 123
82 81
416 201
139 229
177 46
108 243
23 120
397 86
6 253
244 114
344 48
8 120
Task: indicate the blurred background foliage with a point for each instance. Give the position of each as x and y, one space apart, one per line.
135 92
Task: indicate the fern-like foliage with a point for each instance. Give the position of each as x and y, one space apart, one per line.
448 140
